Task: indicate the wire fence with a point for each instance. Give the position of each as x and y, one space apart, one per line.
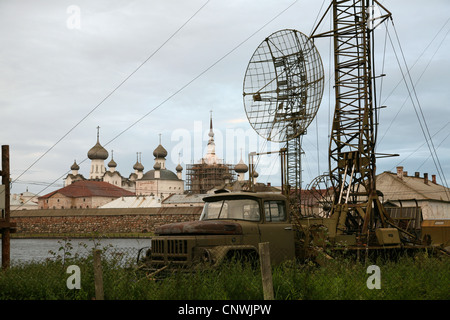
67 275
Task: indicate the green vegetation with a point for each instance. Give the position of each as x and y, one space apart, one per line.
414 278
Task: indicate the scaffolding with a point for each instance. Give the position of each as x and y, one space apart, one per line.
202 177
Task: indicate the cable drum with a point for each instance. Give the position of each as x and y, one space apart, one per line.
283 85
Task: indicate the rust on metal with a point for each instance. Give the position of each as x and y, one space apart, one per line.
200 227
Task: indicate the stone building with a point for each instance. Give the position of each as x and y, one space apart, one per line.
83 194
160 181
23 201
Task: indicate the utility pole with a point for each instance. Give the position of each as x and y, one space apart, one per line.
6 227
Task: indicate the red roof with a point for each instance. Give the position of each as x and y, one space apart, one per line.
89 188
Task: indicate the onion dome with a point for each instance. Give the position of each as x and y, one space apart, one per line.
112 164
138 166
179 168
157 166
241 167
75 166
97 152
160 152
255 174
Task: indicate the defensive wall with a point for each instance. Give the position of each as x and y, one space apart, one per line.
117 220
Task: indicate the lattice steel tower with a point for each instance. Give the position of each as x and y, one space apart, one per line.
352 161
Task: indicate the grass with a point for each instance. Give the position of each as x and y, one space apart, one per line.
409 278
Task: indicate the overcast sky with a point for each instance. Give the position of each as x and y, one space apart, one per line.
63 62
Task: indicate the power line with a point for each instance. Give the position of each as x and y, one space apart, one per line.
418 58
423 126
420 147
200 74
113 91
172 95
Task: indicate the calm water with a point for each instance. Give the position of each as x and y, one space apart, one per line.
27 250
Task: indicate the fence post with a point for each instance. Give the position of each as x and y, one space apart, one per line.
98 275
266 270
5 224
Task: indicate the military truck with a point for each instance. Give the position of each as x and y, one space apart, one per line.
231 224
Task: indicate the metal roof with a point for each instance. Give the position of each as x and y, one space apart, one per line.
90 188
404 187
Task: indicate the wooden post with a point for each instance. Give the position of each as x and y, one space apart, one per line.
98 275
266 270
5 221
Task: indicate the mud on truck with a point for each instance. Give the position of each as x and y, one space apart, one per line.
231 224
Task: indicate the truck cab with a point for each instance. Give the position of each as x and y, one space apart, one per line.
231 224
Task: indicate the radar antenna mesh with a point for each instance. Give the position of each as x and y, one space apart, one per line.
283 86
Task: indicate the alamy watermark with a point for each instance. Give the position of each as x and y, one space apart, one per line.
374 280
74 19
230 146
74 280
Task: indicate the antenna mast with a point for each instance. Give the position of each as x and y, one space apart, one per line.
353 136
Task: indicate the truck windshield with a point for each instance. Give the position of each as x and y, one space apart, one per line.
240 209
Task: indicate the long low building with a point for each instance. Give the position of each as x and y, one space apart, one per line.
82 194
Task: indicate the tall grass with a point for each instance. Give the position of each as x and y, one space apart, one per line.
421 277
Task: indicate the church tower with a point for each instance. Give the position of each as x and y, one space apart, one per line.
98 155
211 157
210 172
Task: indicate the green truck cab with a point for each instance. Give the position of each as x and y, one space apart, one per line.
231 224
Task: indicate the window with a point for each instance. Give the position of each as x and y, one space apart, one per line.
239 209
274 211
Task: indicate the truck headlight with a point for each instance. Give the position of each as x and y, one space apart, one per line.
206 256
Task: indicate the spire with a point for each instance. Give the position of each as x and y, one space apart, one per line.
211 136
211 151
211 132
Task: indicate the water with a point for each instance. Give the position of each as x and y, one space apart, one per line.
29 250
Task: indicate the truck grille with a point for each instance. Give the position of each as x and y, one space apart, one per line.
166 250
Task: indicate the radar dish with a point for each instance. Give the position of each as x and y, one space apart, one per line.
283 85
